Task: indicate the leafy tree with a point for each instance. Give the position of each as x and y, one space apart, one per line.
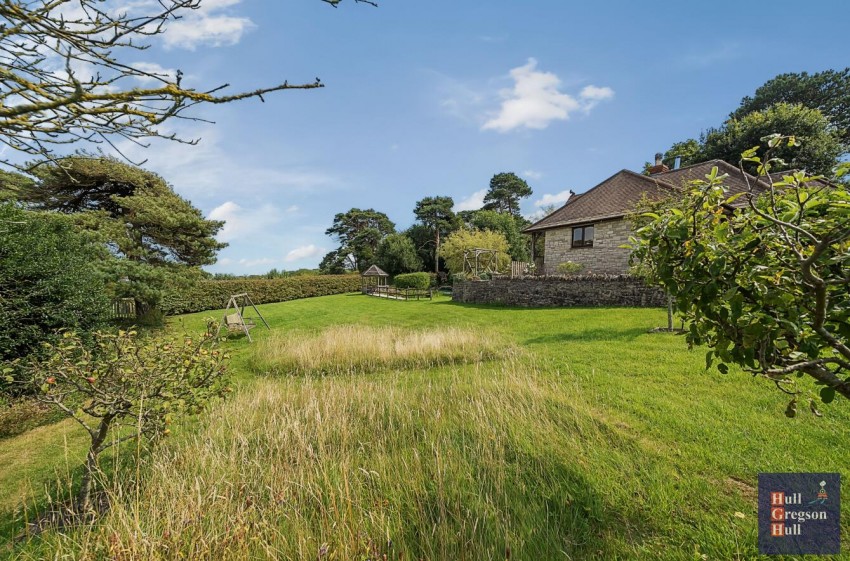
333 263
358 233
396 254
423 242
461 241
48 280
435 213
506 190
818 154
509 226
126 387
827 91
139 213
765 287
153 233
12 184
98 93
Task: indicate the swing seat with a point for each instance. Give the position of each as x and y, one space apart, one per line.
234 322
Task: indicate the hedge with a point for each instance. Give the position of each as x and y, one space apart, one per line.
214 294
412 280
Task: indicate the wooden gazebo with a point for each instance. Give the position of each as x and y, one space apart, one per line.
373 279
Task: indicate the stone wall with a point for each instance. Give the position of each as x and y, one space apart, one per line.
606 257
584 291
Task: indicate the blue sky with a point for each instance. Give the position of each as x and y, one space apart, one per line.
434 97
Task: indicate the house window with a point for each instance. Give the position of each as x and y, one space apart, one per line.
583 236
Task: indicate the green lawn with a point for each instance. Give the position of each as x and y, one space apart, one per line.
589 439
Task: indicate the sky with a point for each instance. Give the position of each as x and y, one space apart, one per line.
427 98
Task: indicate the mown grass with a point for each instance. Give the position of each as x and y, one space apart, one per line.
349 349
596 441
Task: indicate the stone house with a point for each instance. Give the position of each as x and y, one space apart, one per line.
591 227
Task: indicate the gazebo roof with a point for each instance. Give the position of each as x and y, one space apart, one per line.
374 271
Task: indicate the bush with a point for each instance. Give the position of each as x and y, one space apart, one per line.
412 280
214 294
569 268
136 384
48 280
457 244
25 413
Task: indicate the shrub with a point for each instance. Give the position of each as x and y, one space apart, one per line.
23 414
412 280
213 294
764 287
138 385
463 240
569 268
48 280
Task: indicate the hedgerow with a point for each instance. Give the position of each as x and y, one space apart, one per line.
412 280
213 294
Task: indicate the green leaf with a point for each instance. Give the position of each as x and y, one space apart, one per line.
709 359
723 368
827 394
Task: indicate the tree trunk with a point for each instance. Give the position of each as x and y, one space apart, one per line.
97 439
437 254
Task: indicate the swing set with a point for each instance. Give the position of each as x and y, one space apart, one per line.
237 321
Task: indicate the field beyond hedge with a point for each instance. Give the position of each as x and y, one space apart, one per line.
589 439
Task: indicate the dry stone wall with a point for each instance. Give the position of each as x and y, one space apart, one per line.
582 291
606 257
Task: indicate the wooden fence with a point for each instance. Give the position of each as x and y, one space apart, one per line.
520 269
124 308
394 293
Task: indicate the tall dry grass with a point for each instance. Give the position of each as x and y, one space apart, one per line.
358 348
468 466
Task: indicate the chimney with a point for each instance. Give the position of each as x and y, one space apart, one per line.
659 166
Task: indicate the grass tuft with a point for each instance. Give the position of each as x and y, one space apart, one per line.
349 349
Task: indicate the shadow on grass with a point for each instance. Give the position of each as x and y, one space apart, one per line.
544 506
599 334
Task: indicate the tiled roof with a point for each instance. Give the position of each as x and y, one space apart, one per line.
613 198
617 196
735 183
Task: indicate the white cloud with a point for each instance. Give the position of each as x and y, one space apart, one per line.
208 25
532 174
535 101
241 223
592 95
255 262
154 71
211 170
472 202
304 252
556 199
539 214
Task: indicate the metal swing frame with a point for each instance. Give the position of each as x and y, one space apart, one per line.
236 320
